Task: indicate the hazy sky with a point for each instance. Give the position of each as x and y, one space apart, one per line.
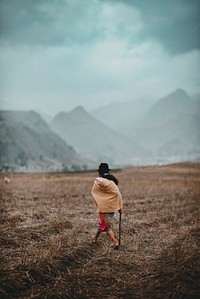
56 54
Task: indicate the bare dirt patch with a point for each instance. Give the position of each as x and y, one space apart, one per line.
47 222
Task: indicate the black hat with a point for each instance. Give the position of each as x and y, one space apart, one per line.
103 168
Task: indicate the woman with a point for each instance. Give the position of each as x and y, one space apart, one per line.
108 200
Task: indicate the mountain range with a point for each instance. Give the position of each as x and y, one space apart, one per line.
169 128
96 141
120 116
121 134
28 143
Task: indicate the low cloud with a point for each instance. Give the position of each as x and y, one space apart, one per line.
173 23
59 54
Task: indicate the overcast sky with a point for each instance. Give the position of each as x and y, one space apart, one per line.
57 54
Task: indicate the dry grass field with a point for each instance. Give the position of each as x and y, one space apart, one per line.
47 222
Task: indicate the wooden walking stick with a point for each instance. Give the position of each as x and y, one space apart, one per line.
120 225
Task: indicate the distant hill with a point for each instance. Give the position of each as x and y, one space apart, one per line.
119 116
94 139
170 128
28 143
175 103
167 130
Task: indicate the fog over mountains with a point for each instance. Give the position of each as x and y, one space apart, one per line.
27 143
122 134
169 128
95 140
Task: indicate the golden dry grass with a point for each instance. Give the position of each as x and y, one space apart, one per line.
47 222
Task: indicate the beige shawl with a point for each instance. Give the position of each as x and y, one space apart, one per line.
106 195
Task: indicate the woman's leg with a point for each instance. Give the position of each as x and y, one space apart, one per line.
112 237
94 239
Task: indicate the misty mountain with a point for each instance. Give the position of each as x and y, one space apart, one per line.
28 143
171 127
94 139
119 116
168 128
168 107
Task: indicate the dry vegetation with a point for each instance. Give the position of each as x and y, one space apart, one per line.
47 223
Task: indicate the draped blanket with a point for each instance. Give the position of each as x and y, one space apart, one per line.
106 195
